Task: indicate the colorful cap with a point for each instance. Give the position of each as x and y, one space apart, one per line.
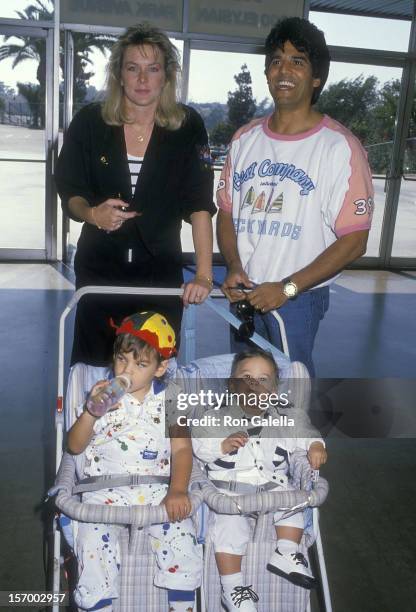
151 327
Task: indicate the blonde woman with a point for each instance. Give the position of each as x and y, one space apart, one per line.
132 169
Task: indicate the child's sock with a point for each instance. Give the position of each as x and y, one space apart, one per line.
287 546
229 581
181 601
236 595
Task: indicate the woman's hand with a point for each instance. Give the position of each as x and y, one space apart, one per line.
111 214
177 504
197 290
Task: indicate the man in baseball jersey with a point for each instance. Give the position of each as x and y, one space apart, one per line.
295 196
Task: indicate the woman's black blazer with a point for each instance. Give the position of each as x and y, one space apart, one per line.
176 180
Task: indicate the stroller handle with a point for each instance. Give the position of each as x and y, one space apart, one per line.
269 501
139 516
266 501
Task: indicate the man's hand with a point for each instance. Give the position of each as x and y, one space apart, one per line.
234 441
267 296
177 504
236 276
317 455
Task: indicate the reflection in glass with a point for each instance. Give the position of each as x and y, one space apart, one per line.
22 137
91 53
365 101
22 206
404 241
28 9
22 88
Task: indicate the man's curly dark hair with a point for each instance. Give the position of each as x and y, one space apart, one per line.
308 39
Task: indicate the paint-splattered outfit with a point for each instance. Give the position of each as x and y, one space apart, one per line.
132 440
263 459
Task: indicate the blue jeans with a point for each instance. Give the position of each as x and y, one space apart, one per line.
301 317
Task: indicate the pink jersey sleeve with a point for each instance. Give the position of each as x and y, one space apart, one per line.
357 205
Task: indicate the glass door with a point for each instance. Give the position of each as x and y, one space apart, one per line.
25 81
404 241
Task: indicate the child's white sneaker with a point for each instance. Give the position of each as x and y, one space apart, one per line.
294 567
240 598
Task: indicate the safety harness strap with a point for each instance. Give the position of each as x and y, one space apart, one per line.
111 481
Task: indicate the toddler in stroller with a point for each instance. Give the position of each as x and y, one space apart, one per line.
250 451
131 439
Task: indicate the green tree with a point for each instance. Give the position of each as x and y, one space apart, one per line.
30 48
385 117
84 43
32 94
222 133
368 111
386 109
265 107
211 112
241 108
2 108
241 104
382 122
6 91
350 102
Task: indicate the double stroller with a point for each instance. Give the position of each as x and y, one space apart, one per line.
137 592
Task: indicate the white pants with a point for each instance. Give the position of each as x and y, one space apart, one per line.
178 557
231 532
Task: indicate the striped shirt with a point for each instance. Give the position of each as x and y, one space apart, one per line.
135 165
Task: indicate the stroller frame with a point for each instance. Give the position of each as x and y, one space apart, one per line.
158 514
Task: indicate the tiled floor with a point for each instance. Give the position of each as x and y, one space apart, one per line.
368 522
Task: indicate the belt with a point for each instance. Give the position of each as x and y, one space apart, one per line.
244 488
111 481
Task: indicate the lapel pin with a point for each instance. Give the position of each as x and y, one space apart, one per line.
103 160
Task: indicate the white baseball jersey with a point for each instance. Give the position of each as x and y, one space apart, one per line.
292 196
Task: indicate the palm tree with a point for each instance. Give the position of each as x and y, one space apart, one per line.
2 109
31 93
34 49
31 48
83 45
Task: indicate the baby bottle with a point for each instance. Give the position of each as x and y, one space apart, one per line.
108 396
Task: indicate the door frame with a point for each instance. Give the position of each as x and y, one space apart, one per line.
49 251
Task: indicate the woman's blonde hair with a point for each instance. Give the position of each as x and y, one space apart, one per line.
169 113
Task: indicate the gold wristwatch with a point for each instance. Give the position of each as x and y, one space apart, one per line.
290 289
